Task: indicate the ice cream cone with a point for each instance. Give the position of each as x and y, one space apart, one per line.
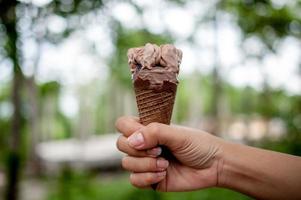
155 106
155 78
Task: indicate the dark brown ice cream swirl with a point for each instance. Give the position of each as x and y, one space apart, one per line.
155 67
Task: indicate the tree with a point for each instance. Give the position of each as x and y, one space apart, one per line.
266 20
12 12
10 20
271 22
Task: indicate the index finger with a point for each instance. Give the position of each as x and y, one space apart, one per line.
127 125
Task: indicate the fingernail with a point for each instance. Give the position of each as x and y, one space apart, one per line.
136 139
154 152
162 163
161 174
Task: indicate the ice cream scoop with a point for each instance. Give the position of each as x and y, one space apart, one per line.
154 65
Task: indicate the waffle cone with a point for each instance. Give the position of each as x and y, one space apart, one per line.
155 106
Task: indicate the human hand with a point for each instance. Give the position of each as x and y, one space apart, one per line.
198 155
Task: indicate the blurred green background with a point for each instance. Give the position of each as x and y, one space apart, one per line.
64 80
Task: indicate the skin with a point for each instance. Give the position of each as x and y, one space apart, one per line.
203 160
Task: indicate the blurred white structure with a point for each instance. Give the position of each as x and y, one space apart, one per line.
255 128
94 152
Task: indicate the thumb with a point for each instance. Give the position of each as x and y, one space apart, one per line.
156 134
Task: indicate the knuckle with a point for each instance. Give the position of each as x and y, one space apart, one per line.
119 143
124 162
135 153
120 121
154 127
151 163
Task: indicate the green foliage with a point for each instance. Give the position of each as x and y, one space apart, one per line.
65 130
72 11
48 93
81 186
101 113
182 101
290 144
289 110
206 194
75 7
49 88
241 101
6 125
72 186
207 88
5 120
266 20
4 133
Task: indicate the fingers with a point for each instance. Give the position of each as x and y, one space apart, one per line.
123 146
144 164
128 125
143 180
156 134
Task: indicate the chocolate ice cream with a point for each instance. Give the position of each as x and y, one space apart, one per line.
155 67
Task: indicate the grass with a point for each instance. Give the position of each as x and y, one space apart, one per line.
71 186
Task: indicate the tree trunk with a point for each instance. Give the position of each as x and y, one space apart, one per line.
33 120
8 17
216 88
15 140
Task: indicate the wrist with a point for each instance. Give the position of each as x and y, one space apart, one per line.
232 168
221 158
220 147
236 169
223 165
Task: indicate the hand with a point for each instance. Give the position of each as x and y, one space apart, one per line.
198 156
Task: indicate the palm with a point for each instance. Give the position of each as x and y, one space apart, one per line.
182 178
